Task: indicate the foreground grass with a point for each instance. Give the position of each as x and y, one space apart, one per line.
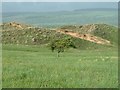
37 66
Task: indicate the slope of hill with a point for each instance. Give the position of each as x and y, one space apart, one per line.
104 31
15 33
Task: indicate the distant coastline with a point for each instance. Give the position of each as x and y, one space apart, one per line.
60 18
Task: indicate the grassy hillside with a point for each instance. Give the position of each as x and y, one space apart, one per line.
38 67
102 30
28 63
37 36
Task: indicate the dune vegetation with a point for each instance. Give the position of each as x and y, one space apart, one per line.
29 62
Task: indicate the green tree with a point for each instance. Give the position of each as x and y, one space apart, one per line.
60 44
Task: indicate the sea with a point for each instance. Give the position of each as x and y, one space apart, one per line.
61 18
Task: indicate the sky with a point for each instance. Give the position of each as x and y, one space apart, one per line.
60 0
53 6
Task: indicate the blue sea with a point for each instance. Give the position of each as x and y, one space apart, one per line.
57 19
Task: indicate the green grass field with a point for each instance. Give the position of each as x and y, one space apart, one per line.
38 67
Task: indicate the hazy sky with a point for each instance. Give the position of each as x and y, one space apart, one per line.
60 0
53 6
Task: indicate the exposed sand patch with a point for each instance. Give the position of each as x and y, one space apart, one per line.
87 37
